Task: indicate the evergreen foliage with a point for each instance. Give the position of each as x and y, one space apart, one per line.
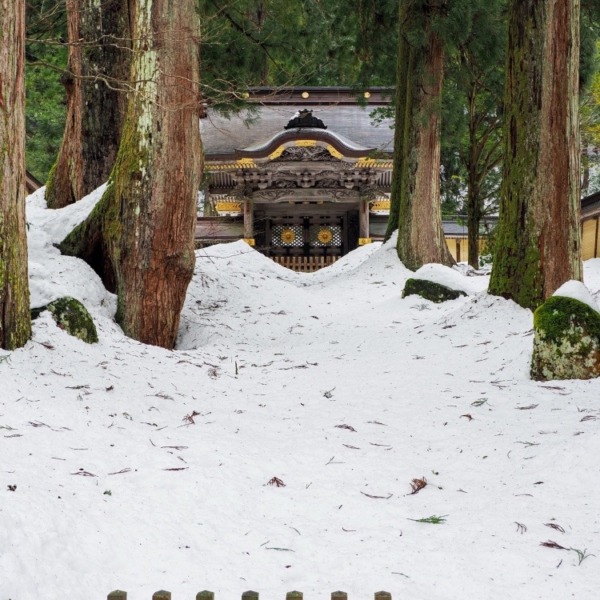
324 42
46 60
275 43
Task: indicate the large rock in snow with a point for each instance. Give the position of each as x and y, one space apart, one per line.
72 316
566 342
436 292
437 283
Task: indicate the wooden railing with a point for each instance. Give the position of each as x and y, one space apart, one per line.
305 264
206 595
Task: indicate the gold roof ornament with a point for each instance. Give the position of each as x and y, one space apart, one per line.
381 206
242 163
228 207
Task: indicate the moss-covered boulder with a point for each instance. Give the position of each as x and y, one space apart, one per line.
436 292
72 316
566 342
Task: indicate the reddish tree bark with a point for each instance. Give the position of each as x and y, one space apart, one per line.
538 241
96 82
141 234
15 319
416 189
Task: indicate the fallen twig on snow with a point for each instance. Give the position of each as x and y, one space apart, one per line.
276 482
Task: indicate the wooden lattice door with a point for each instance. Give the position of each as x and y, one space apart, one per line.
306 236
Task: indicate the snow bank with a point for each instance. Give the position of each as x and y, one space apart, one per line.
577 291
450 278
132 467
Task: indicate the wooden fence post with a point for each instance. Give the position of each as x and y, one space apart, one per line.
339 596
383 596
117 595
250 595
293 596
161 595
205 595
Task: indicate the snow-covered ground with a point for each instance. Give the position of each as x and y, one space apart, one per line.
130 467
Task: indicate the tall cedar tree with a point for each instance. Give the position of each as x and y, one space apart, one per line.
140 236
97 73
538 240
15 320
416 209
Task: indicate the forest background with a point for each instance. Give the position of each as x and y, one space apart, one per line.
332 42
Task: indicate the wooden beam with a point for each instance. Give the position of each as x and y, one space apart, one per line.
248 220
363 222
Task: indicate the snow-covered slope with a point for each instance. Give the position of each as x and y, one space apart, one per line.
142 469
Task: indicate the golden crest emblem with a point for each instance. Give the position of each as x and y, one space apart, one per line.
288 236
325 235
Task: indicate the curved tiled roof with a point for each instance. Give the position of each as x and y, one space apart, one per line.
222 136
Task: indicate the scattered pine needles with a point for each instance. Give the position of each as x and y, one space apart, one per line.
433 519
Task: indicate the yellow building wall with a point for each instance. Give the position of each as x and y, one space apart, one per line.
459 248
590 240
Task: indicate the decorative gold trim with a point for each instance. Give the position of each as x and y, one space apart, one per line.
242 163
380 205
228 206
364 241
298 143
334 152
378 163
277 153
250 241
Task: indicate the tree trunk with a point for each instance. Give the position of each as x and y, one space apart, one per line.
538 241
473 223
420 236
399 126
98 69
15 319
474 201
141 234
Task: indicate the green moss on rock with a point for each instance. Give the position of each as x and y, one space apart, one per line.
72 316
566 341
436 292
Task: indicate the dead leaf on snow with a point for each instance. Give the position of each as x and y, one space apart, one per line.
417 485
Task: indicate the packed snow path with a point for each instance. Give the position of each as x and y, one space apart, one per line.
276 447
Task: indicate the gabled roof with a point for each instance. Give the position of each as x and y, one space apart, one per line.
349 123
590 206
338 143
